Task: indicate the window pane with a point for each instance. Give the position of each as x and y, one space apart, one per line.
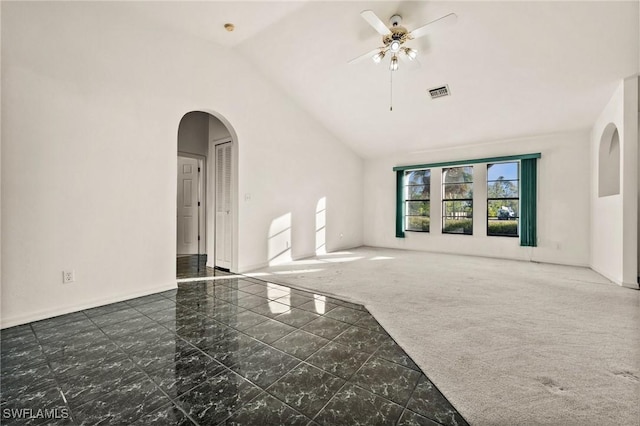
418 223
418 208
458 190
417 185
457 209
505 171
418 177
503 209
418 192
457 226
458 174
503 227
502 189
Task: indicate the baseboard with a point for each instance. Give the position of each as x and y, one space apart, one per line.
486 256
248 268
303 256
605 275
49 313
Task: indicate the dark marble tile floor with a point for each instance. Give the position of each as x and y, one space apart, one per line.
230 351
195 265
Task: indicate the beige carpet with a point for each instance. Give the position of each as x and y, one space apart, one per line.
507 342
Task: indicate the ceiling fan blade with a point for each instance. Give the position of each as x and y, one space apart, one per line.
375 22
368 55
445 21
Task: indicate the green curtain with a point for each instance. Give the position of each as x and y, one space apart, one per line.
399 204
528 201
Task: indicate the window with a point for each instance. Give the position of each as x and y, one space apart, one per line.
517 191
457 200
417 195
503 199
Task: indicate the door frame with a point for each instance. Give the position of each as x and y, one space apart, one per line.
202 199
211 218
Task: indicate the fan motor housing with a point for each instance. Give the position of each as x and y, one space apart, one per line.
395 20
397 33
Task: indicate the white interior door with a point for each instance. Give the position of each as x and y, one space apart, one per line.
223 206
188 200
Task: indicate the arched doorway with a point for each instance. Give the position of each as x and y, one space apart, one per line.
206 199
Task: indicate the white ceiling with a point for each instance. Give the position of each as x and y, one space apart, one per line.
514 68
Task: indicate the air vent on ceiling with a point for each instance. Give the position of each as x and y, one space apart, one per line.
440 91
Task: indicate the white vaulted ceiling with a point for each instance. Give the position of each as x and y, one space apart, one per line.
514 69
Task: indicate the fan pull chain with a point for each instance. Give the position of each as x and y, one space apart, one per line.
390 90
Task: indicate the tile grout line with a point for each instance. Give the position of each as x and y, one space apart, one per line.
55 376
404 409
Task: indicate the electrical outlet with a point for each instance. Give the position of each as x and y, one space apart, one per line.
68 277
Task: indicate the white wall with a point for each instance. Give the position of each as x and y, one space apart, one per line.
193 133
563 201
217 129
0 163
614 219
90 110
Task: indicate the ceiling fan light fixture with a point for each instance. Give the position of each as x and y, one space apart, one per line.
393 65
395 46
411 53
378 56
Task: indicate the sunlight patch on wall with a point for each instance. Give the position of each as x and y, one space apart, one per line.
321 226
279 240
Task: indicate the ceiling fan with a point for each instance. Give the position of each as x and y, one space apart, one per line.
395 35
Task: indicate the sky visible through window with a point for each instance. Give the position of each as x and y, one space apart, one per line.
509 171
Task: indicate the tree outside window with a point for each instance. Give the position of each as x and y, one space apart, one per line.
503 199
457 200
417 200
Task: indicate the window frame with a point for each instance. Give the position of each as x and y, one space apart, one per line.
406 200
490 199
445 200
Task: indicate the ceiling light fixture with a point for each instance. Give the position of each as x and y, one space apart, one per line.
393 65
394 36
411 53
378 56
229 27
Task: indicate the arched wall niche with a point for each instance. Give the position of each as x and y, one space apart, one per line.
609 162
